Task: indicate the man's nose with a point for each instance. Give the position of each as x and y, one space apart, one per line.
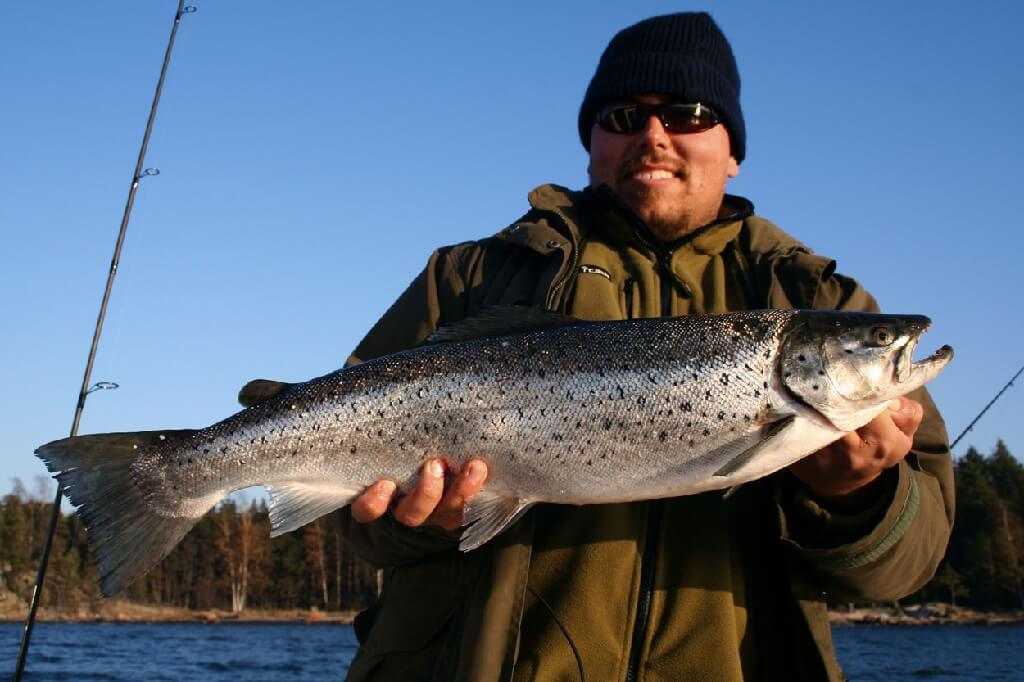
654 133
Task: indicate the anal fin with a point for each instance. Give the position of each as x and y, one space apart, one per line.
293 504
489 513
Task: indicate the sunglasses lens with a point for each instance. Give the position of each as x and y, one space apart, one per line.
630 118
688 118
621 118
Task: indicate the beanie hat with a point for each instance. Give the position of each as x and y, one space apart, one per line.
684 55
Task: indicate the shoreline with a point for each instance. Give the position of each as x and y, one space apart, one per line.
117 611
127 612
922 614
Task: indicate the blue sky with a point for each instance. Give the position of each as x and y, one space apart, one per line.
312 155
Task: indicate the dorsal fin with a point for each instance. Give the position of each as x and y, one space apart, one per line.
258 390
500 320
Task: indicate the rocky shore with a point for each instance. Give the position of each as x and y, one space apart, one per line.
922 614
119 611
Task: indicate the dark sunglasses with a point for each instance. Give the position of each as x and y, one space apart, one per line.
627 118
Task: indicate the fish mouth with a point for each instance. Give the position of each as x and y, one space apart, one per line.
923 371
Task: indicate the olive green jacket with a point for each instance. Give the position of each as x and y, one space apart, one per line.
447 615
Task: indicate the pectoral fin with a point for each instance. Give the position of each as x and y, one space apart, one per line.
740 451
489 513
293 504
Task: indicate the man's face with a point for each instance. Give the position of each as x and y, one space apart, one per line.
673 182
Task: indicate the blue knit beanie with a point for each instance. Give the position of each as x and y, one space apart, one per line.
683 55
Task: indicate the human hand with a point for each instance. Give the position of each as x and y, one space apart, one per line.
853 462
428 503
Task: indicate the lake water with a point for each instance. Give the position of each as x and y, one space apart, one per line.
256 652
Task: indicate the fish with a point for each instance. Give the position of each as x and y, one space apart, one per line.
562 411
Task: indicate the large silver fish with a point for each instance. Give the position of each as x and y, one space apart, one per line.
562 411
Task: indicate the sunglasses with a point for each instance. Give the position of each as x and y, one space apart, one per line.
626 118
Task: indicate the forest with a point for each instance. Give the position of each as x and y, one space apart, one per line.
229 562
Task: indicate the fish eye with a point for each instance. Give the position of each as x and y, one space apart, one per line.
882 336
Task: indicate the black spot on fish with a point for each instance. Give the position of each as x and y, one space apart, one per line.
663 436
724 379
815 387
687 406
721 416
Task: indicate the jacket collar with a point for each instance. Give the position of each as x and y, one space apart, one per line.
560 218
617 221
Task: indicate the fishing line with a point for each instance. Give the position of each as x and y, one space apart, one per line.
985 409
568 637
85 388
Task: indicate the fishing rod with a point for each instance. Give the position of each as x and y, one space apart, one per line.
85 388
985 409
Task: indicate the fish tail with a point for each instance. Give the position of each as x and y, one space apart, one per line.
125 535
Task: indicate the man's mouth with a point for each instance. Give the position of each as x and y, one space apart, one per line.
652 175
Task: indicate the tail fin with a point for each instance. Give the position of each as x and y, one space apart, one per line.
125 535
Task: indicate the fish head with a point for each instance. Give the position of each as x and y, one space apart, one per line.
848 366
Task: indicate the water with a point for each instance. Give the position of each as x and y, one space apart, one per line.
180 651
931 652
293 652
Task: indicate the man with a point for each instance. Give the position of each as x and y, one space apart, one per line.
699 587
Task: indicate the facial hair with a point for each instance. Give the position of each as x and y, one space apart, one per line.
668 214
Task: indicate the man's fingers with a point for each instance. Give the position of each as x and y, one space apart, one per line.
468 483
374 501
908 417
417 506
889 443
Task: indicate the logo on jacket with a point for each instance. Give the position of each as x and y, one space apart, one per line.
594 270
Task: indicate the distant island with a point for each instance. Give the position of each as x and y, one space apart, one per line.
228 569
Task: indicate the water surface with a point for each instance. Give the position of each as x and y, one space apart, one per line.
297 652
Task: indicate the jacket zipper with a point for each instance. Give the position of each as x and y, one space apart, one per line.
573 270
655 509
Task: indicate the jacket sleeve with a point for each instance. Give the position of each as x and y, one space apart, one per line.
432 299
893 545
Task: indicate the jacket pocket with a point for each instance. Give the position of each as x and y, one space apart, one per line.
407 632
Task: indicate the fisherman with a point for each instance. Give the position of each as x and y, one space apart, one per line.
697 587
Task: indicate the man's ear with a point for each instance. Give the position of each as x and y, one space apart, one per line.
733 169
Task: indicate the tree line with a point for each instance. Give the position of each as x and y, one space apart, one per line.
228 561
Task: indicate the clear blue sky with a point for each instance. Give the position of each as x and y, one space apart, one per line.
314 153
